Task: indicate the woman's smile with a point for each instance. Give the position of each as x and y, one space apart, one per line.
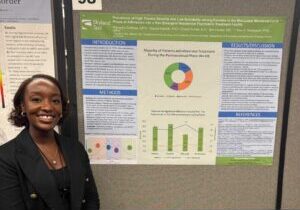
46 118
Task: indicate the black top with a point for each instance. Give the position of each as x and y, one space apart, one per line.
63 182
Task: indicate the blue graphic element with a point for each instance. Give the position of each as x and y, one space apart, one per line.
109 92
108 42
250 45
249 114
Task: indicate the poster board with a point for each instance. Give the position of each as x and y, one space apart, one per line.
178 89
28 33
190 187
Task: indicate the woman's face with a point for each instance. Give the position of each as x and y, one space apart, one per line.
42 105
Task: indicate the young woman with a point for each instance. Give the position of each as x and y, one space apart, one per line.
40 169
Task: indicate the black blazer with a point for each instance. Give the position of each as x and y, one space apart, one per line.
27 184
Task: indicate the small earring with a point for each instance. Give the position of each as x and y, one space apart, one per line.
23 114
60 116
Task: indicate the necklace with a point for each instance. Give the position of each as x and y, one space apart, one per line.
44 151
52 159
53 162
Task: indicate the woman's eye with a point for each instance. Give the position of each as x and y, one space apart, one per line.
56 101
36 100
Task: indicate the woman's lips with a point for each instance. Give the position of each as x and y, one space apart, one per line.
46 118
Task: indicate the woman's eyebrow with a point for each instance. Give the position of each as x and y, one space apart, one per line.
42 92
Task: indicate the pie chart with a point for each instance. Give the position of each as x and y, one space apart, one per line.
188 76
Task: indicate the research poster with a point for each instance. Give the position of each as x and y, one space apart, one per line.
26 49
185 90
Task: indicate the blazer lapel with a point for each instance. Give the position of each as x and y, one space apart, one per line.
36 170
76 170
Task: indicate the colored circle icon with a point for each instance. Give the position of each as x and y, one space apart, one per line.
188 76
129 147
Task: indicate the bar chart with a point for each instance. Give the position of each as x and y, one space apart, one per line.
175 143
186 138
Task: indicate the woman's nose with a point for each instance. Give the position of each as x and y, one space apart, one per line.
46 105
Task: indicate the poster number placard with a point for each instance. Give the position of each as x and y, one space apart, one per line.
87 4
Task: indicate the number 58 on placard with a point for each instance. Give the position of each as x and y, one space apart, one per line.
87 4
87 1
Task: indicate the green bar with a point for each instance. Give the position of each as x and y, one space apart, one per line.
266 161
264 29
185 143
170 137
200 139
155 138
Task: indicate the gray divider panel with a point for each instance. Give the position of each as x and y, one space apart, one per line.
291 181
135 187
